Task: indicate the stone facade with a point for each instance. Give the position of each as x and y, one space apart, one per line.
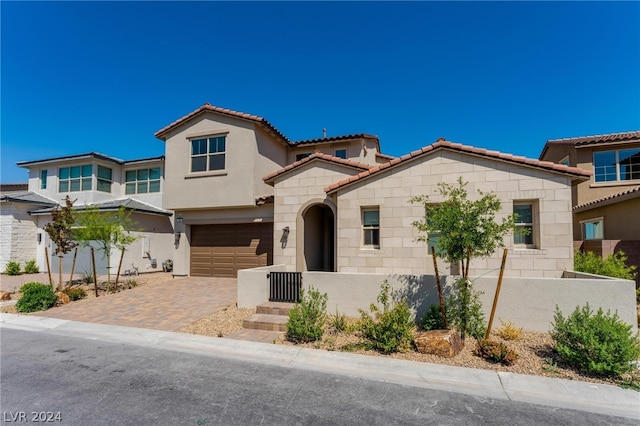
19 235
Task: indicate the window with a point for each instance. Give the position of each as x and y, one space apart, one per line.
43 179
565 161
142 181
76 178
593 229
525 225
105 177
619 165
208 154
303 155
433 236
371 227
341 153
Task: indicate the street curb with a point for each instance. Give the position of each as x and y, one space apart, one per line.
560 393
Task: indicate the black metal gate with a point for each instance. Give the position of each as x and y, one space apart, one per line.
285 286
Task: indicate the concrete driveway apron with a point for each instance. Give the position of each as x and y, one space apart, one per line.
166 305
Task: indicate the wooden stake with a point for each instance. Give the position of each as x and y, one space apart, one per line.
495 299
119 268
46 256
73 266
95 276
440 298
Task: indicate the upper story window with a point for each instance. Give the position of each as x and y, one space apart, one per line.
75 178
565 161
105 178
142 181
43 179
371 227
526 223
208 154
341 153
303 155
617 166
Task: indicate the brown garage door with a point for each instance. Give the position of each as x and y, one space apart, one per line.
221 250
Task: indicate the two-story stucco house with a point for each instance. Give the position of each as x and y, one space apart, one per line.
88 179
606 207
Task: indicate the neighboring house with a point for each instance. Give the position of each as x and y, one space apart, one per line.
88 179
606 207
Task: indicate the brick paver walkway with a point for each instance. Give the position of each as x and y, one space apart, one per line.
166 305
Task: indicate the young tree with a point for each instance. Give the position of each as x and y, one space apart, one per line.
466 229
60 232
110 230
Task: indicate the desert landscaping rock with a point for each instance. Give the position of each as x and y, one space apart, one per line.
444 343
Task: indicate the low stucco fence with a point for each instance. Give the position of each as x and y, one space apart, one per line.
526 302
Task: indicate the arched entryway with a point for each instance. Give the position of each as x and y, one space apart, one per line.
319 238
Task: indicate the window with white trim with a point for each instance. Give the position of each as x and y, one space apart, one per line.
208 154
142 181
592 229
105 178
526 224
433 236
341 153
43 178
371 227
616 166
75 178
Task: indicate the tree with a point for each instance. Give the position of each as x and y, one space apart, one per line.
110 230
466 229
60 231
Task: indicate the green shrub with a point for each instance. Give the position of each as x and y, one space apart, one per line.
338 322
495 352
13 268
306 319
615 265
432 319
35 297
30 267
464 309
75 293
131 283
600 343
87 277
390 329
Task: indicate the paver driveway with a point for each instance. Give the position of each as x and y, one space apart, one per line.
166 305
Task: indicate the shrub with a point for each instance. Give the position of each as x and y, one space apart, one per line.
464 309
30 267
389 330
13 268
615 265
432 319
600 344
338 322
131 283
35 297
75 293
495 352
306 319
508 331
87 277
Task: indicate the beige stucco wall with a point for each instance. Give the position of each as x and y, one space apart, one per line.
295 192
399 251
361 150
620 220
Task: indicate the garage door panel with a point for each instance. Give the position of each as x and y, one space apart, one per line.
221 250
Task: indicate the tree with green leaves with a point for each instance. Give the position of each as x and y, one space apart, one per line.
466 229
60 231
110 230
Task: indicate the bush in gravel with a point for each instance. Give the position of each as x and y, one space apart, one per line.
508 331
600 344
306 319
75 293
338 322
390 329
30 267
12 268
464 309
432 319
495 352
35 297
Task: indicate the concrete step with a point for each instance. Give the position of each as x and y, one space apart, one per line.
274 308
266 322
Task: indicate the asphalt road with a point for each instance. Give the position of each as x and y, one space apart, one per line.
75 381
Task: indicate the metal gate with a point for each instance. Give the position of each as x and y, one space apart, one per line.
285 286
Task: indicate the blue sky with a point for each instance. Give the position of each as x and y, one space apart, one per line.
104 76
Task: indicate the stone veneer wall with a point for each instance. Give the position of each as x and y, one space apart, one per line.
399 251
18 235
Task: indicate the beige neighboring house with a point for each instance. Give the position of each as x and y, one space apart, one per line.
88 179
246 196
606 208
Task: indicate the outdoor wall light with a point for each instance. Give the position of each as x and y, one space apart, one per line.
177 241
39 237
179 219
285 236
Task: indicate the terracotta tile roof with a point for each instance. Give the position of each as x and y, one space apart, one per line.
609 199
315 156
385 156
224 111
588 140
444 144
335 139
264 199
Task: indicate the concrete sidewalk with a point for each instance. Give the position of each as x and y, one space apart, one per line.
589 397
